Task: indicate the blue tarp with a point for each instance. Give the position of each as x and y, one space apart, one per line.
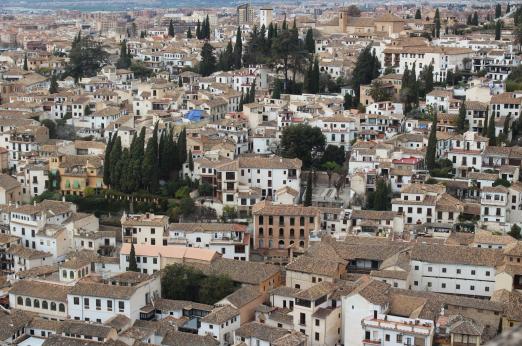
194 115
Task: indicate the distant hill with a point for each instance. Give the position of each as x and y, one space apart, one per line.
117 5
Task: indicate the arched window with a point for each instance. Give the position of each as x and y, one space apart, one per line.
64 273
45 306
261 243
291 242
281 244
71 274
27 302
36 303
301 243
270 243
292 233
53 306
281 232
261 231
20 300
83 272
198 240
61 307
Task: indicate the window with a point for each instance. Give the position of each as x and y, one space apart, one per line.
86 303
317 322
443 285
416 267
121 306
443 270
472 288
98 304
472 272
430 269
76 301
458 271
316 336
109 305
61 307
457 286
399 338
387 337
415 283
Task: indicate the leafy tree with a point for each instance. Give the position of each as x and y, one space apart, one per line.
53 88
208 60
308 193
51 126
501 182
302 142
335 154
205 189
276 92
186 206
330 167
353 11
461 120
238 50
85 58
133 265
498 11
378 92
140 70
286 49
309 41
418 14
366 69
431 150
515 232
498 30
382 195
491 131
348 101
436 21
171 28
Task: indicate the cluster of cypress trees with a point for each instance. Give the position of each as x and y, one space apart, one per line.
203 29
230 59
141 167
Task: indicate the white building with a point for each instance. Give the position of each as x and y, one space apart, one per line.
454 270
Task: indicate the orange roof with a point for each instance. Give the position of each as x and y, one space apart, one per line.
169 251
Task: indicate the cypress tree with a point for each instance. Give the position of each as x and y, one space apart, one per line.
207 66
431 150
171 29
437 23
207 28
252 92
190 161
198 30
26 68
505 131
133 265
189 33
285 25
491 131
309 41
115 168
498 30
276 93
498 11
150 167
53 88
238 50
308 193
461 120
418 14
485 126
182 146
316 76
124 61
107 162
241 102
475 20
124 165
